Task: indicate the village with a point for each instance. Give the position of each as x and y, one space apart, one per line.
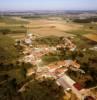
56 70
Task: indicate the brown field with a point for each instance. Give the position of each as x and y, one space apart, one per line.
2 24
45 27
92 37
19 36
42 27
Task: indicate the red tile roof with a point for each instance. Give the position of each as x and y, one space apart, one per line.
77 86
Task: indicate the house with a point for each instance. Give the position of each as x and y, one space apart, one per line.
52 68
61 82
67 63
75 64
57 65
93 48
29 35
71 63
78 86
60 71
68 79
30 71
28 41
29 58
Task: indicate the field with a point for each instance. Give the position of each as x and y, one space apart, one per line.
14 27
17 26
49 32
91 36
46 27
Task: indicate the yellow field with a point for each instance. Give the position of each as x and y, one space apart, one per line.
92 37
41 27
45 27
17 36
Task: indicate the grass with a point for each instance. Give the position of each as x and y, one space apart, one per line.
7 50
12 26
85 35
16 73
79 32
50 58
48 40
9 20
86 29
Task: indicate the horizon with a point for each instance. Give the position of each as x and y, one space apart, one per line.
50 5
46 11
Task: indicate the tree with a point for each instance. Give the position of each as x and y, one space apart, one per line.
5 31
23 72
45 89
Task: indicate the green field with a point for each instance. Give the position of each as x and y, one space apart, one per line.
12 26
49 32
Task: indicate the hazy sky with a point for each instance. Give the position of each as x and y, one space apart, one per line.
48 5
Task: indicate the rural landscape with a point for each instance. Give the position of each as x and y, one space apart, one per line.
48 55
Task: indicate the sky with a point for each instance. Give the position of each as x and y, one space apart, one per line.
21 5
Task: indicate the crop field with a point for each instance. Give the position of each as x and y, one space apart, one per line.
17 27
52 39
13 27
91 36
46 27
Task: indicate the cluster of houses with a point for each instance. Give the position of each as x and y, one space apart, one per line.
60 67
57 69
68 45
93 48
33 54
28 40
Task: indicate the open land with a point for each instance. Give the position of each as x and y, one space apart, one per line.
45 27
91 37
49 52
